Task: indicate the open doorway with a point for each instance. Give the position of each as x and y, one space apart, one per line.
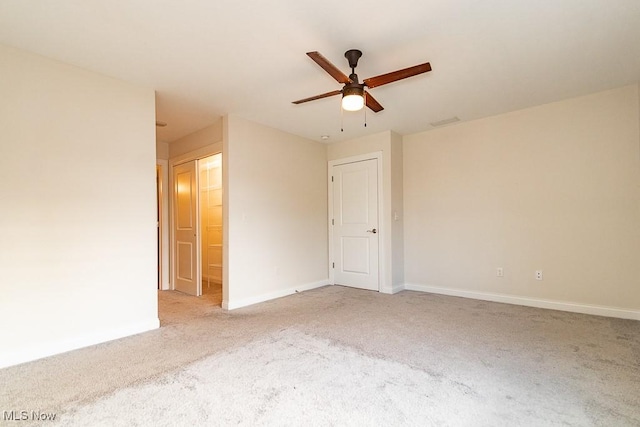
197 228
210 197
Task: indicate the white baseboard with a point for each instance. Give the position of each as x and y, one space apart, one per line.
232 305
394 290
50 349
597 310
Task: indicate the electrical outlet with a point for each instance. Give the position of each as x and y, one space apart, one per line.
499 272
538 274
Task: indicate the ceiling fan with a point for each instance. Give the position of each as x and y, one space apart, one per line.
354 95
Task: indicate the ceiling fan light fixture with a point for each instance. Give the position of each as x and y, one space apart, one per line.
353 98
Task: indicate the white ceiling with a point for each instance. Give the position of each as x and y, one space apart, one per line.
208 58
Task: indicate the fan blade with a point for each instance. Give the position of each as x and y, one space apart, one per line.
372 103
383 79
313 98
329 67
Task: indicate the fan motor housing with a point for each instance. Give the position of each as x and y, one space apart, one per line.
353 89
352 56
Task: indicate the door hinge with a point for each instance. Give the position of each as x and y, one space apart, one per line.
333 265
333 222
331 179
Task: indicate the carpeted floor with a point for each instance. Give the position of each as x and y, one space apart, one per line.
341 356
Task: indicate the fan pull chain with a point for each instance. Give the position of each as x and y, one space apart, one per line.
341 118
365 109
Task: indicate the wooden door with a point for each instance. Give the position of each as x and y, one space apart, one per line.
185 205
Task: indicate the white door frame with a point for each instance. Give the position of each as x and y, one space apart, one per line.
201 153
382 231
165 281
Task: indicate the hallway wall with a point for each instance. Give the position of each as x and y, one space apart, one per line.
275 213
78 216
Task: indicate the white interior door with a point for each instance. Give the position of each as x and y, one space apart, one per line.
355 224
185 196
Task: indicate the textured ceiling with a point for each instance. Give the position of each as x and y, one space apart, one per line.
209 58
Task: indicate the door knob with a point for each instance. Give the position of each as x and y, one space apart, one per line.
374 231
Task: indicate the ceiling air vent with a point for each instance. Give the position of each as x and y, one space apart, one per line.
445 122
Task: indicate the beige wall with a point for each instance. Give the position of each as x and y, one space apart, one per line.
162 150
390 145
553 188
397 210
78 221
275 213
210 135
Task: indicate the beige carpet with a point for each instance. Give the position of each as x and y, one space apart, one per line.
340 356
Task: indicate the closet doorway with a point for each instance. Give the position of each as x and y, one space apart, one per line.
210 197
198 228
